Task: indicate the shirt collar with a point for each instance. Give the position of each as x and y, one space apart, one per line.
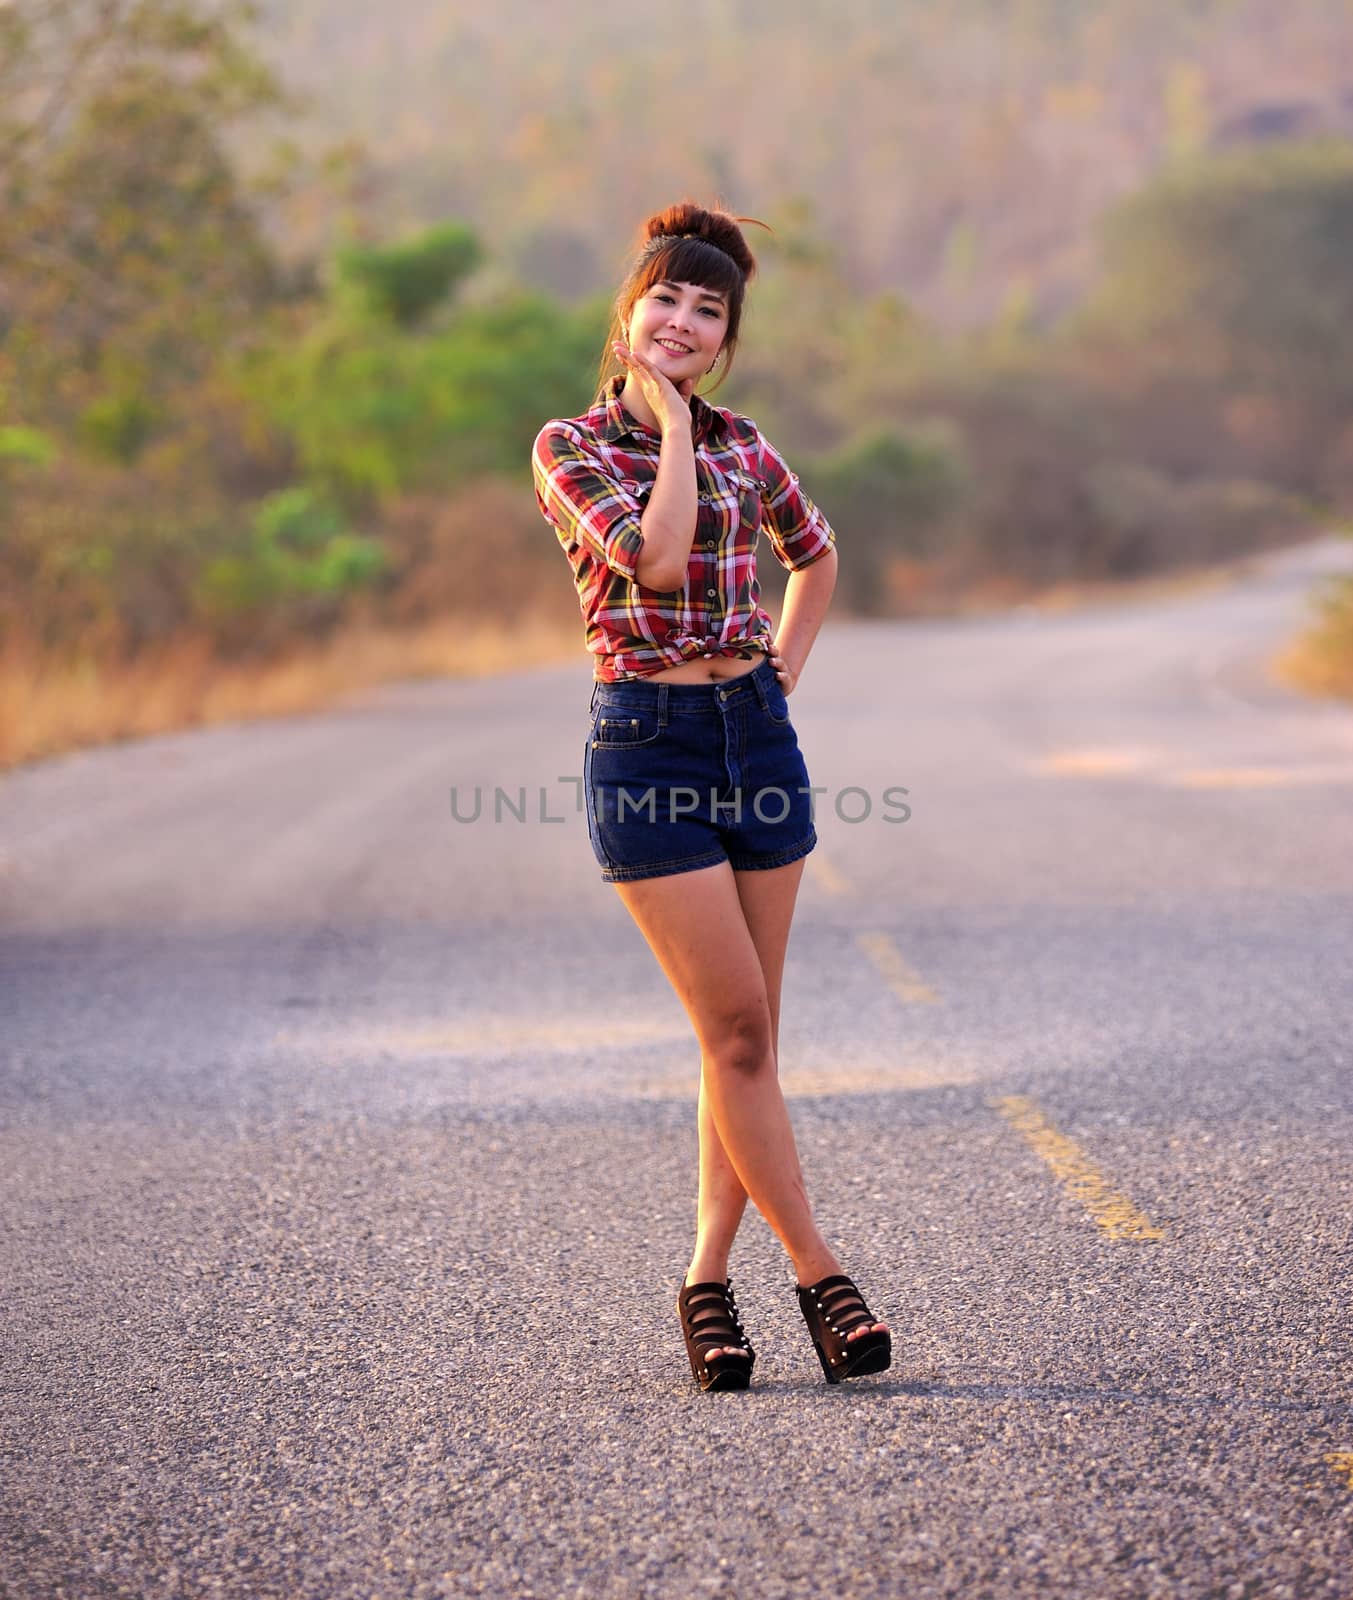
619 422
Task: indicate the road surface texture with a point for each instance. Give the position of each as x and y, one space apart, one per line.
348 1148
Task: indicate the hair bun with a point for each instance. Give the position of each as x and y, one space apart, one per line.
719 228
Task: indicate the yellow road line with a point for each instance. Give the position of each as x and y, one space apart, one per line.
901 979
1341 1462
1108 761
1152 766
1256 777
1113 1212
826 874
1230 778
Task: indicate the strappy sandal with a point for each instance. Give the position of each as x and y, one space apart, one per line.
709 1320
831 1308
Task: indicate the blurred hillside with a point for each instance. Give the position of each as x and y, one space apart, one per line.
958 151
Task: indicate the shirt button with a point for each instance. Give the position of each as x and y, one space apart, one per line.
712 593
711 544
704 497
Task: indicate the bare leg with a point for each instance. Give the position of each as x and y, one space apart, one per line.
767 900
697 928
722 1199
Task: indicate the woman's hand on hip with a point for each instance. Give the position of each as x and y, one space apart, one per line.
782 669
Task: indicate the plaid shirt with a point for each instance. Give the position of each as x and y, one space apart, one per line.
593 475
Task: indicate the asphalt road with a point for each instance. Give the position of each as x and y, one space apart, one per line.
348 1149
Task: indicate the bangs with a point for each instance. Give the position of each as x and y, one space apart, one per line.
699 262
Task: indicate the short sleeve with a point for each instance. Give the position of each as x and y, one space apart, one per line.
799 533
586 503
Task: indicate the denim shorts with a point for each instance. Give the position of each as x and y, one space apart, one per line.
685 775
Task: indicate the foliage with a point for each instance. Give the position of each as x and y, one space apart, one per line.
1146 522
406 281
371 408
887 493
27 445
118 426
1237 267
299 545
129 249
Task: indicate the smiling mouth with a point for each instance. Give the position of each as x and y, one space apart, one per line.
672 348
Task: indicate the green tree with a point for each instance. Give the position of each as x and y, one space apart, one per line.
372 408
407 280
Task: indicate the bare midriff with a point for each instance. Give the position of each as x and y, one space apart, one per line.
710 669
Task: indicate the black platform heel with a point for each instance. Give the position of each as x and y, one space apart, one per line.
709 1320
831 1308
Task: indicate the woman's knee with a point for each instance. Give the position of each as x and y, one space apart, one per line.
741 1041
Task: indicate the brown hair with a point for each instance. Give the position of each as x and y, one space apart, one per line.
685 244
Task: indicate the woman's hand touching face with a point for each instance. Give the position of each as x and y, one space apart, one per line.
670 403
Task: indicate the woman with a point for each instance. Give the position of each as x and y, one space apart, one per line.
697 795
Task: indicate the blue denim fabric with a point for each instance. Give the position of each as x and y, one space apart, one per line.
685 775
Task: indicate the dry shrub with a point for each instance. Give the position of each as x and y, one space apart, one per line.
1320 660
485 553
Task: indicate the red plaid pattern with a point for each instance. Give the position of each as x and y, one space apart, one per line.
593 475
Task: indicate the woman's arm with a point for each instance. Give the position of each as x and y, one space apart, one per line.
805 545
669 517
808 593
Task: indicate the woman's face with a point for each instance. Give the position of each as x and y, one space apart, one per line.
680 328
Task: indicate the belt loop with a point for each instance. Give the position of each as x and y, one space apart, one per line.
662 705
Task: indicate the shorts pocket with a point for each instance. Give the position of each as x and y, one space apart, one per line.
777 703
615 728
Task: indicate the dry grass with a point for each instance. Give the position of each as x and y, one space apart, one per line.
1320 661
930 589
1074 595
45 711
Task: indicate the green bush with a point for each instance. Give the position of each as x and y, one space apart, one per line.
298 546
406 281
372 411
885 494
297 519
118 427
27 446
